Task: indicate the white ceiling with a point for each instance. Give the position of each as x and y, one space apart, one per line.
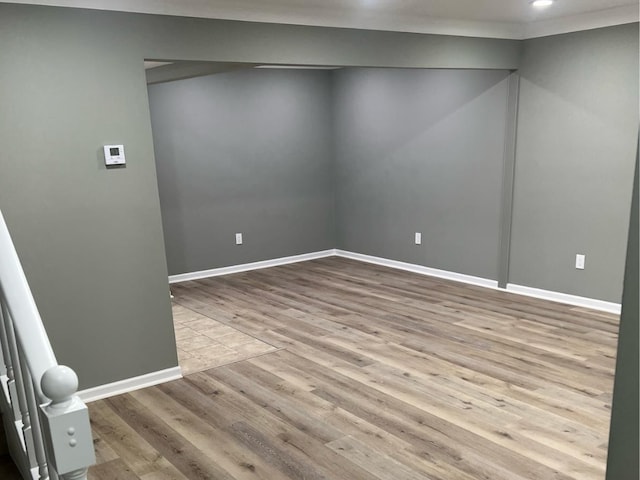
486 18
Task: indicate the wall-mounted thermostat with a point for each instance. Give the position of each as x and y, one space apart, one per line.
114 155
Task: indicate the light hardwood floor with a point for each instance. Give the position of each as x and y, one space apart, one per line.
371 373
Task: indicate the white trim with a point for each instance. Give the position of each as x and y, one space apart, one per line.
155 378
130 384
279 13
365 19
245 267
411 267
585 21
586 302
295 67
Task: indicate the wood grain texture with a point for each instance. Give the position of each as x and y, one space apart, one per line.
370 373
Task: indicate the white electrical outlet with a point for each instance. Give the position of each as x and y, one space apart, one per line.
238 239
418 239
580 261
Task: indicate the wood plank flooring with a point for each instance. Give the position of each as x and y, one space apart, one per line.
372 373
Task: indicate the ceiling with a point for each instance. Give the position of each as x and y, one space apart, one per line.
515 19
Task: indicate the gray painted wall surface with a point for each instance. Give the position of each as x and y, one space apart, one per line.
421 151
90 239
248 152
624 441
576 142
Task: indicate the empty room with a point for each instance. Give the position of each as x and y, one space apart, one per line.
300 240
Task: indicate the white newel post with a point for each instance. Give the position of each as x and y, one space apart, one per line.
65 422
50 426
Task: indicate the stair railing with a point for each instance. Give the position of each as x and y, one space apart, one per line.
46 424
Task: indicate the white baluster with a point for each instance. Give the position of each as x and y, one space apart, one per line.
4 347
63 446
20 302
36 432
65 422
18 390
3 355
8 364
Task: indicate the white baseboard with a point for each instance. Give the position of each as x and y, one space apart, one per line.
155 378
130 384
586 302
411 267
245 267
566 298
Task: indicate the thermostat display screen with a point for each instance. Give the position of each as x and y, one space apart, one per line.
114 151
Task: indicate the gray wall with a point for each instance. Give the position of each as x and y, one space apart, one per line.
622 462
577 130
90 239
421 151
249 152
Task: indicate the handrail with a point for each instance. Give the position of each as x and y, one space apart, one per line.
49 434
30 330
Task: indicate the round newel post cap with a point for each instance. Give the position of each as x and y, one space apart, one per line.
59 383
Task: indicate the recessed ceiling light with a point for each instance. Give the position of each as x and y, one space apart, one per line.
542 3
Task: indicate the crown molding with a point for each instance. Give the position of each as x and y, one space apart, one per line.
306 16
322 17
585 21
